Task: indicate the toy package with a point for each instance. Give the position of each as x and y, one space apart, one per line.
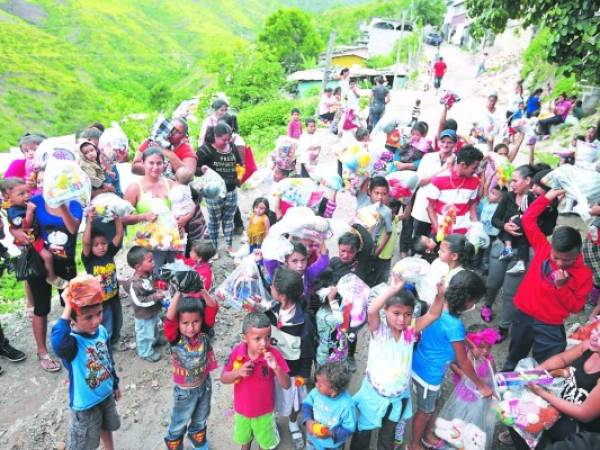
368 216
300 222
244 288
327 179
65 181
83 290
580 184
354 292
183 277
108 206
417 271
447 224
504 168
520 378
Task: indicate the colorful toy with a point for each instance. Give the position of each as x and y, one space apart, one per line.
460 434
445 227
108 205
403 184
162 234
520 378
237 363
244 289
65 181
583 332
320 430
354 292
240 171
449 99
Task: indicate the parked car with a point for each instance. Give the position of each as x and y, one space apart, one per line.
433 38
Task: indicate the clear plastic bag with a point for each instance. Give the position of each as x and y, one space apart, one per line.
368 216
416 270
403 183
108 205
580 184
244 288
113 144
354 291
300 222
477 236
298 192
212 185
162 234
327 179
65 181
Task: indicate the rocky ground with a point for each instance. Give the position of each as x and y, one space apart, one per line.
34 403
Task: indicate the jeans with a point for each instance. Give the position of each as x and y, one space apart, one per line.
374 117
385 440
191 408
527 333
112 318
146 335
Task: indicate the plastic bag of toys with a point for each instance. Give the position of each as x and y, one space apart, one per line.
403 184
477 236
161 234
503 167
213 186
580 184
113 144
244 288
65 181
298 192
354 292
108 206
182 276
328 179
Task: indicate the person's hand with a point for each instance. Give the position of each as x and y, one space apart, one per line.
117 394
180 222
561 277
204 169
22 236
441 287
536 389
309 426
246 370
595 210
512 229
149 217
555 193
271 361
485 391
332 294
397 282
90 212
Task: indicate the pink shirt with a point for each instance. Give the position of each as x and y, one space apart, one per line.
254 396
295 129
16 169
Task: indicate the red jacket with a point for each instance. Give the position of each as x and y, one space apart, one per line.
537 295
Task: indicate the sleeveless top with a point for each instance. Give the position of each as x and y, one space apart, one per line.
149 203
579 387
257 229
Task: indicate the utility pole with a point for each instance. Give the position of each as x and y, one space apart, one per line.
399 52
327 69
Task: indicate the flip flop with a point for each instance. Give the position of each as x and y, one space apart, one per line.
48 364
438 445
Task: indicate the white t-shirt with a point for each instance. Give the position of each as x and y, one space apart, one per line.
181 200
325 104
305 142
429 165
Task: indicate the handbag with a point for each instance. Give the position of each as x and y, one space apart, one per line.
29 265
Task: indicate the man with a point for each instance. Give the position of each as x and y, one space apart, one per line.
454 193
555 286
439 70
179 153
493 120
380 96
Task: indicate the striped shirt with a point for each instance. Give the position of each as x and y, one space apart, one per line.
449 190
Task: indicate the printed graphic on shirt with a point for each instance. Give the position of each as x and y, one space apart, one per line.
98 364
107 276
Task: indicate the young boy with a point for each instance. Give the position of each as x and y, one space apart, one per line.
98 258
416 112
556 285
309 147
252 367
193 360
146 302
81 341
200 254
295 124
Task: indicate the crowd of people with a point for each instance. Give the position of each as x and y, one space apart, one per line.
479 232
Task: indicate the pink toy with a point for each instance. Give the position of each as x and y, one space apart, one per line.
354 292
522 378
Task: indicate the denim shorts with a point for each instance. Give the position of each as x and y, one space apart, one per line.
86 425
426 398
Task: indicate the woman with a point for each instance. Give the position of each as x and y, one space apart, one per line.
561 110
237 143
507 220
579 400
219 109
220 157
150 197
58 227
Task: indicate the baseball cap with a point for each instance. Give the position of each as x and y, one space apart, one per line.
449 133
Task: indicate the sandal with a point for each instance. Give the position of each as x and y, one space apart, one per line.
29 313
439 444
48 364
505 438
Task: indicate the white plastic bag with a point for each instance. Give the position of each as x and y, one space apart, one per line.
113 144
162 234
477 236
354 291
65 181
403 183
417 271
244 288
108 205
213 185
580 184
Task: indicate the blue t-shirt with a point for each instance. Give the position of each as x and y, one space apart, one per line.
335 413
58 240
434 352
533 104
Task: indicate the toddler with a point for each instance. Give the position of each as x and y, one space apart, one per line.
295 124
193 360
180 195
146 301
90 165
328 410
200 255
258 223
253 366
21 219
480 340
425 247
82 342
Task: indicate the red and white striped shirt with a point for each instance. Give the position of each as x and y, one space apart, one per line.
450 190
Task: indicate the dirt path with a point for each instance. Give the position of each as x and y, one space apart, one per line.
34 404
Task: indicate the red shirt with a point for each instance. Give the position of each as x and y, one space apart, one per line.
203 269
183 150
439 69
537 295
254 396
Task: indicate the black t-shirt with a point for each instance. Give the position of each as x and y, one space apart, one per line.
379 95
222 163
104 269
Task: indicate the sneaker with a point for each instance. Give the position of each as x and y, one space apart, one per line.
154 357
519 267
507 253
58 283
11 353
486 314
352 363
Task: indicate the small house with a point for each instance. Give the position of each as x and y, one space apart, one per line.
347 57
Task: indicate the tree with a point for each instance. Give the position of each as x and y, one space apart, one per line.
574 44
289 35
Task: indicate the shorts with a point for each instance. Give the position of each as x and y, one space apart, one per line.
426 397
289 400
372 407
41 291
86 425
262 429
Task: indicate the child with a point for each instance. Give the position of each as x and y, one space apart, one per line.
455 253
416 112
98 258
480 341
295 124
354 250
328 410
258 223
291 329
309 148
146 302
81 341
200 254
180 195
425 247
252 367
441 344
384 396
90 165
329 318
21 216
193 360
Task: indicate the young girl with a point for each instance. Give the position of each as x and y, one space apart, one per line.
291 329
200 254
193 360
384 396
258 223
329 317
328 410
90 165
180 195
441 344
354 249
455 253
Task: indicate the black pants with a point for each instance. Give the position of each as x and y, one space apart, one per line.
545 124
421 228
381 271
406 235
237 219
527 333
385 440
